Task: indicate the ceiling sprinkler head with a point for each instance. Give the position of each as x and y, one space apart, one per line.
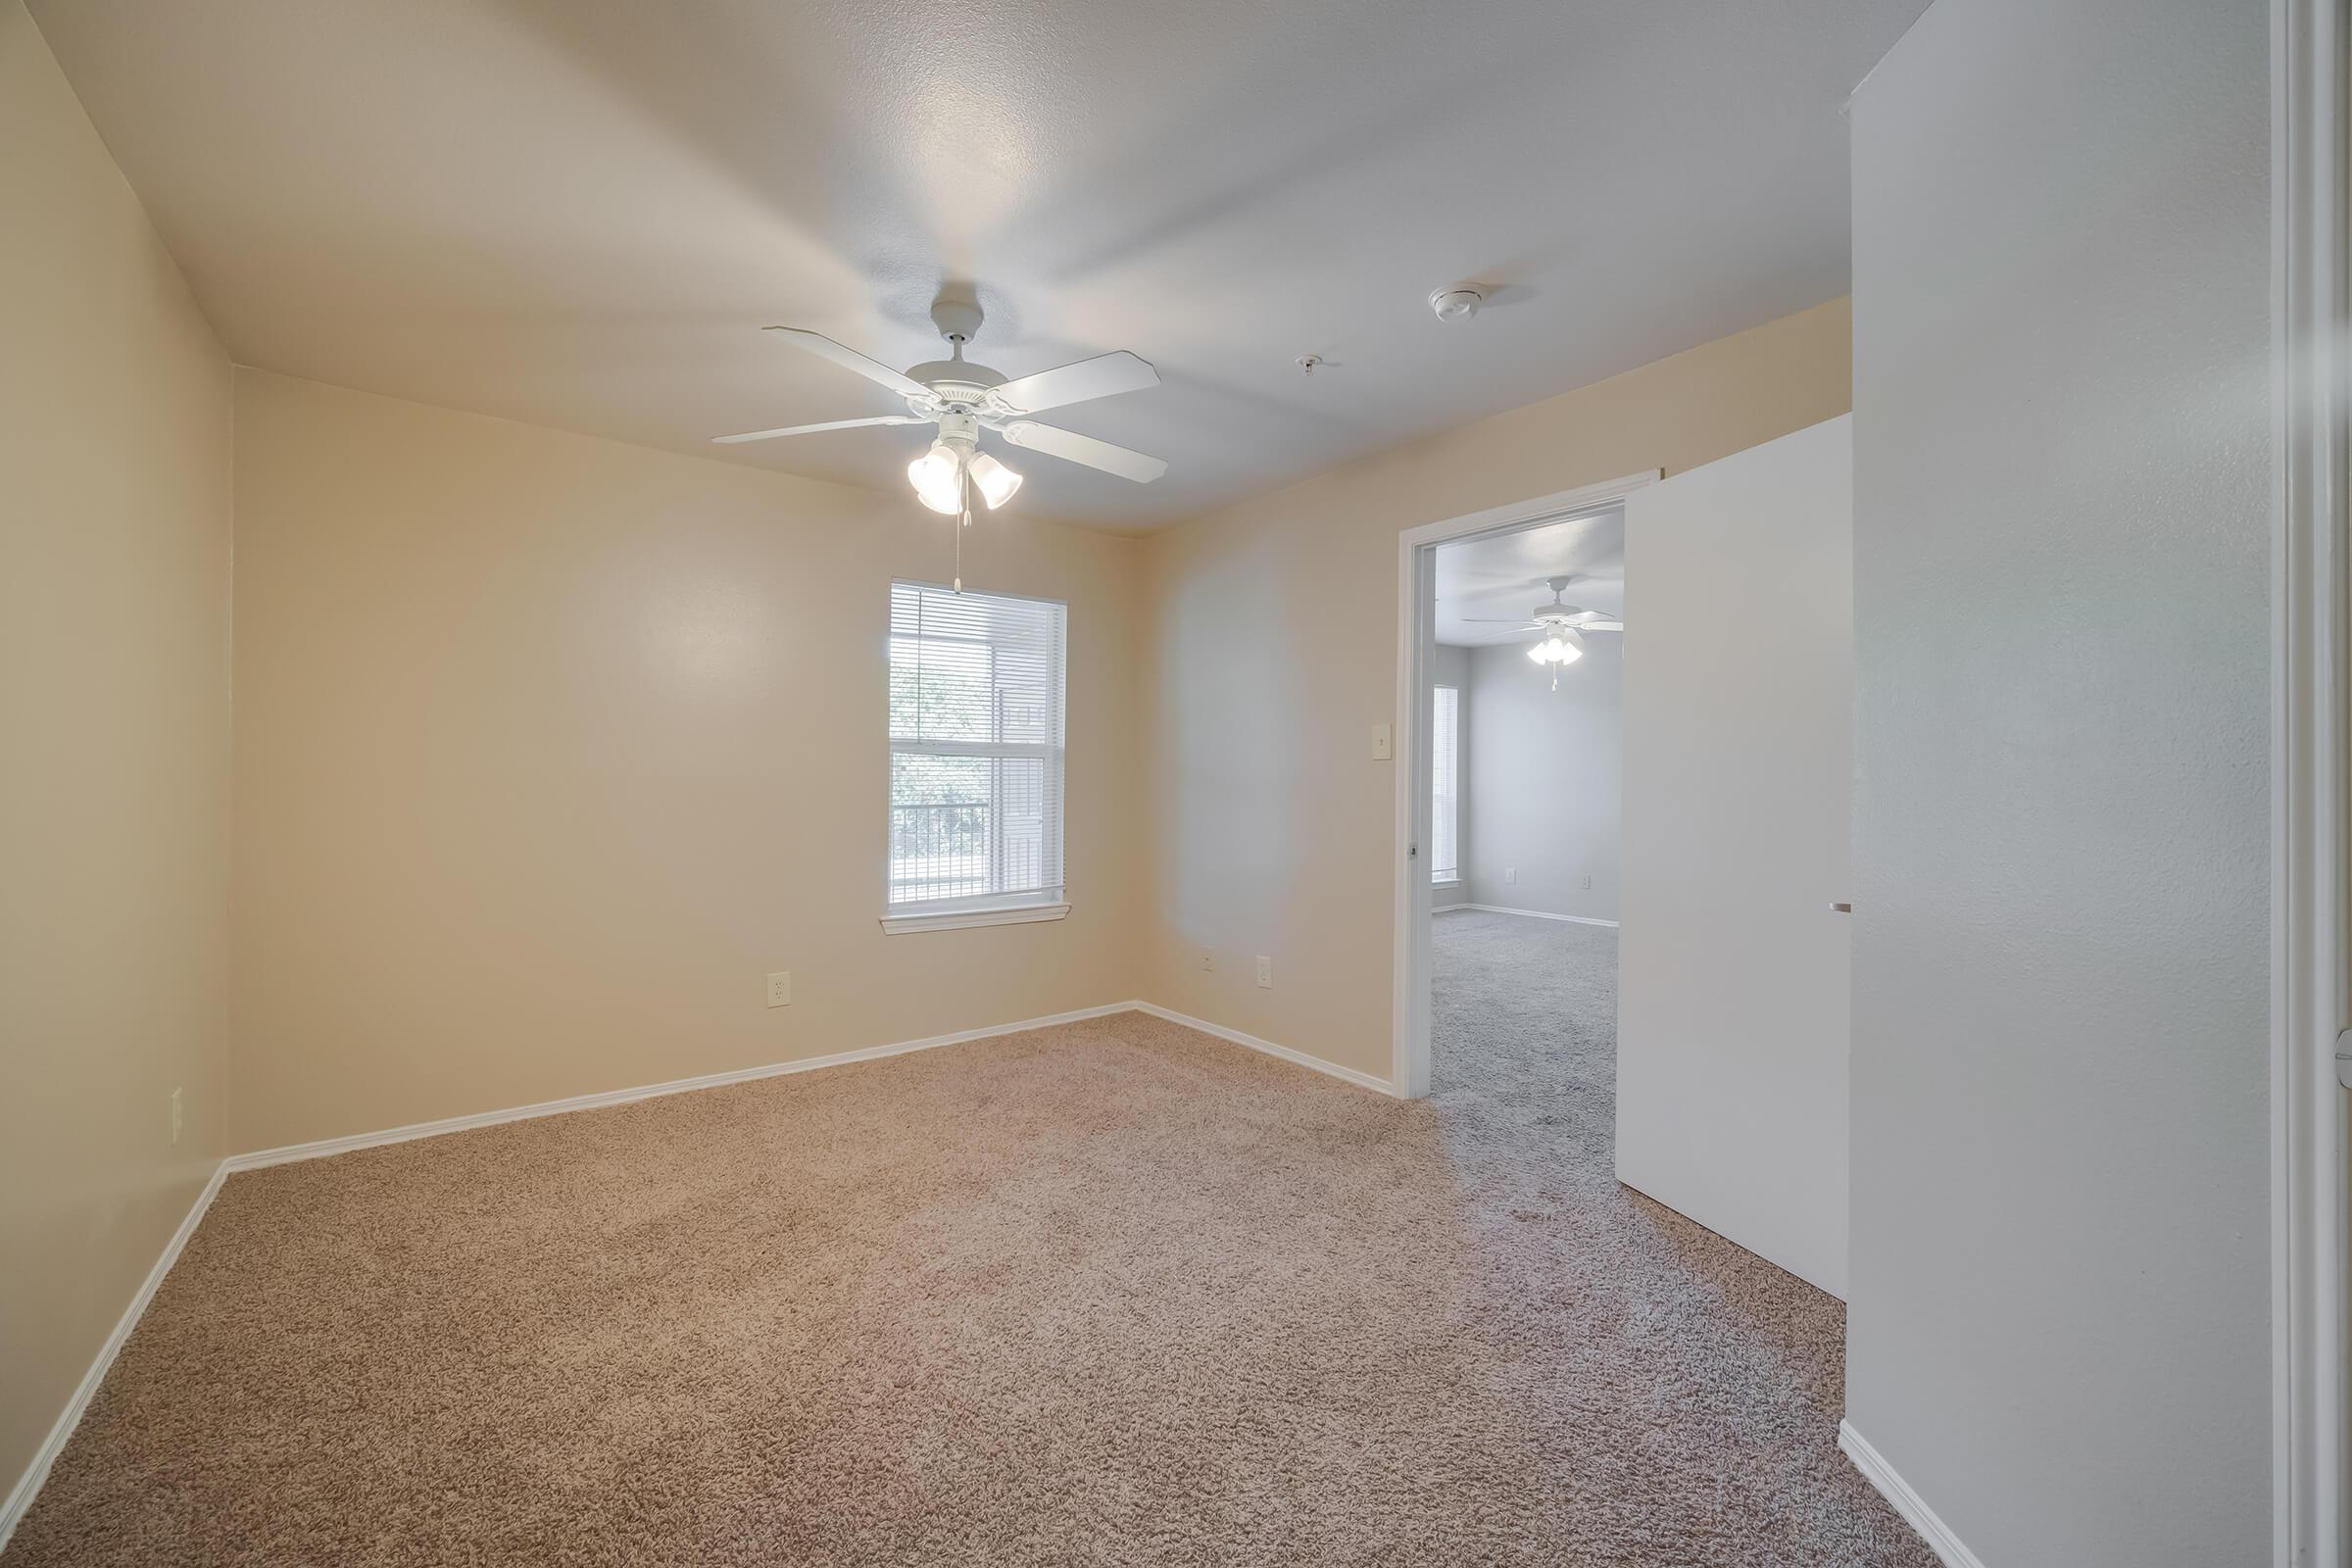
1458 304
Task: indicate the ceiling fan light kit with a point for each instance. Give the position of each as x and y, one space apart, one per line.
964 399
939 476
1561 645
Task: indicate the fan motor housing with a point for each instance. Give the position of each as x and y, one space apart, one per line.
958 428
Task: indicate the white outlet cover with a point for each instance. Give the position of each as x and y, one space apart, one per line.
1511 873
779 989
1265 972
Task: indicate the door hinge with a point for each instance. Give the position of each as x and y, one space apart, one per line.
2344 1059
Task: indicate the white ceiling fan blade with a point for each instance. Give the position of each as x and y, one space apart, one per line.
1497 620
1104 376
810 429
1073 447
1599 625
849 359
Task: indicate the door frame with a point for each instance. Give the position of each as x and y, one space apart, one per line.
2311 114
1416 622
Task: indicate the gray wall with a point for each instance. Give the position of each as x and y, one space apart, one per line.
2059 1331
1544 789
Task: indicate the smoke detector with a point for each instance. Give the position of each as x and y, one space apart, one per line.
1458 304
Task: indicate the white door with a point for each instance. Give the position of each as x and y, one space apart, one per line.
1733 969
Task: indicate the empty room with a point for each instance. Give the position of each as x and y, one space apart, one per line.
1051 783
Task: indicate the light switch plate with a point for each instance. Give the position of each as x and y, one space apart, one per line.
1383 743
779 989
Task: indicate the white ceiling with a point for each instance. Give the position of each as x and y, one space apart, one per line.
1480 581
580 212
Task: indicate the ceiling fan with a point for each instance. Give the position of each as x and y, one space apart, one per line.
1563 626
964 399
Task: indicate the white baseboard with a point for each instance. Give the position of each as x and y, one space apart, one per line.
28 1484
1896 1490
1532 914
1362 1080
324 1146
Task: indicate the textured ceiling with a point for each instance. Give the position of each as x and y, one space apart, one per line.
1480 581
580 212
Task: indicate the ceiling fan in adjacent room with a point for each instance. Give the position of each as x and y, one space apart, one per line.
1563 626
964 399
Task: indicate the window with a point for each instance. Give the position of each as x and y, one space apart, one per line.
1444 785
975 758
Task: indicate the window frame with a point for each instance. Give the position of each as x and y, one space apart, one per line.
1440 877
980 909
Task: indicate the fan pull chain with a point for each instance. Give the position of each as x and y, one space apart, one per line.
963 510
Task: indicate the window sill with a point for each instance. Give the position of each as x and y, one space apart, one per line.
1445 882
899 925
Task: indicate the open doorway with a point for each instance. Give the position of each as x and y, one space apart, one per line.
1525 673
1508 814
1709 1031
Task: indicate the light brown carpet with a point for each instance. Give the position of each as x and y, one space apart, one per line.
1107 1293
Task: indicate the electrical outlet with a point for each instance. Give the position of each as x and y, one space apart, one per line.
1587 881
1511 873
1208 961
175 1115
1265 971
779 989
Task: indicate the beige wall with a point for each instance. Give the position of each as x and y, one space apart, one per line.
1272 649
115 409
551 748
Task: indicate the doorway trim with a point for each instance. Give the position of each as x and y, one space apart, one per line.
1408 1064
2310 112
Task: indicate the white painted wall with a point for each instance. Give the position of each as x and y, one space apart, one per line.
2060 1326
1543 781
1738 756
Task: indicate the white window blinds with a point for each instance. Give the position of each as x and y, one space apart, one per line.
1445 787
976 748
